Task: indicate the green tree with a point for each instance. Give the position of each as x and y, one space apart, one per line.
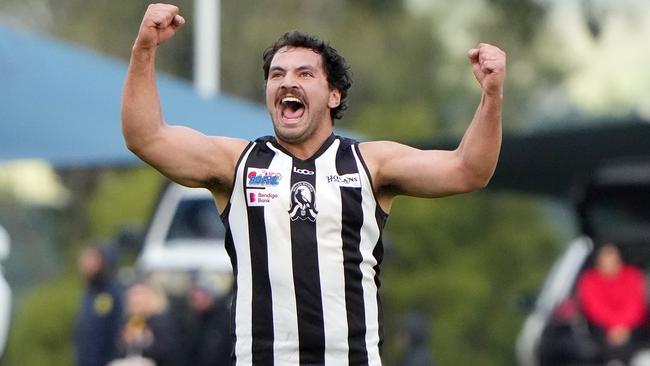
42 330
463 260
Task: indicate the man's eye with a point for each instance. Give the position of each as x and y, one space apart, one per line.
305 74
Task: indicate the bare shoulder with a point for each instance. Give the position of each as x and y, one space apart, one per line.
193 159
372 153
223 166
381 149
378 153
378 156
232 146
227 152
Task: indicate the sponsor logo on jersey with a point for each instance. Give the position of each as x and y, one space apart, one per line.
256 197
345 180
262 178
303 207
303 171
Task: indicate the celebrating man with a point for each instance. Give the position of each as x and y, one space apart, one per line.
304 209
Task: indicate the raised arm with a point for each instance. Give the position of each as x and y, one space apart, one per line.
400 169
180 153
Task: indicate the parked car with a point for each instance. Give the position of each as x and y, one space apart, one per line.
613 205
185 240
5 294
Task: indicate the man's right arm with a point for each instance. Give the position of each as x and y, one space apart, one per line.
180 153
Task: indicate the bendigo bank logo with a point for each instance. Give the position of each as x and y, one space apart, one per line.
302 207
260 197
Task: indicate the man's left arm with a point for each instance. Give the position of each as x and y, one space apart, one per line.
480 146
400 169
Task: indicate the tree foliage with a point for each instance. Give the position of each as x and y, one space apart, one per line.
42 330
463 260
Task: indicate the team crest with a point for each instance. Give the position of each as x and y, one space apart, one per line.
302 207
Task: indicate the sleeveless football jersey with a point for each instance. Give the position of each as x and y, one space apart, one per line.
304 238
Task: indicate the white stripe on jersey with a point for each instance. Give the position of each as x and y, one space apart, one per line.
238 219
285 318
330 261
369 236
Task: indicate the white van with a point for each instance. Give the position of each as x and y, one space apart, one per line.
185 239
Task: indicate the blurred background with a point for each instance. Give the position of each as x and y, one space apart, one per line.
466 262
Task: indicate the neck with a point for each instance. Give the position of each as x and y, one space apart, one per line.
307 148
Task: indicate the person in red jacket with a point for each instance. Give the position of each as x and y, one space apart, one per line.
612 295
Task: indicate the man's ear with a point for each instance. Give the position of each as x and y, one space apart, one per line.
335 99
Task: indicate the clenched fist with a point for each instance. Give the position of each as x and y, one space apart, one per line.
160 23
489 67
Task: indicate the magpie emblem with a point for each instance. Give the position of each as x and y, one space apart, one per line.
302 207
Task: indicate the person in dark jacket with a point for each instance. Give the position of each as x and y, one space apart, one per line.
100 315
209 341
149 330
415 336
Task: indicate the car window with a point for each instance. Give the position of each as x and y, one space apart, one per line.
620 213
195 218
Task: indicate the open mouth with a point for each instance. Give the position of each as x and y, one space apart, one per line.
292 107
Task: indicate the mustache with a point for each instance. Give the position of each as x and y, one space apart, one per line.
293 91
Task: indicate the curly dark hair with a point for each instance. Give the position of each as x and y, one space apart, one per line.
336 68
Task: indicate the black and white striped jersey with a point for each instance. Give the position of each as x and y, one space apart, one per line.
304 238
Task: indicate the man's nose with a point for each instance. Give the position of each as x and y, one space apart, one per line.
289 81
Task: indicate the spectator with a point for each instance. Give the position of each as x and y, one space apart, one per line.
613 297
100 316
209 341
149 332
415 339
